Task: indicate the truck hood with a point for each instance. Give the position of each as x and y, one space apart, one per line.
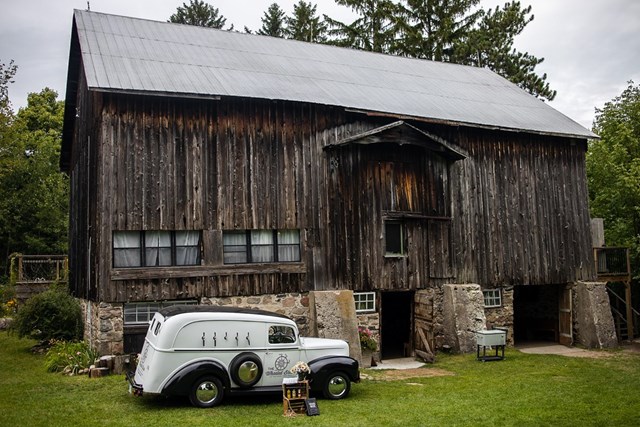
309 343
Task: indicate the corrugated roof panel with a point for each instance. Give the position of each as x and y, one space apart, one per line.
140 55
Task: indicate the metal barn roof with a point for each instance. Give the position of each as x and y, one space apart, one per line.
141 56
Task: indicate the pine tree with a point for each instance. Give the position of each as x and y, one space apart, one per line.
375 30
305 24
490 45
273 22
433 28
199 13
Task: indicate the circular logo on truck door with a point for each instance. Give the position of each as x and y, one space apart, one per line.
282 362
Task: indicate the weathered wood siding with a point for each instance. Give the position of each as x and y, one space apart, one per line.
513 212
83 257
374 183
520 209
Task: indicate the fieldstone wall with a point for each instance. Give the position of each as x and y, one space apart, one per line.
333 315
103 326
502 316
294 305
371 321
592 319
463 308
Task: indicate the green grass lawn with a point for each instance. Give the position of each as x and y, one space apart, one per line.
522 390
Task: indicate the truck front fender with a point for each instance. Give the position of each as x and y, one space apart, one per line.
181 382
322 367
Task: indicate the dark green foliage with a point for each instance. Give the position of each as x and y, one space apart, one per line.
272 22
490 44
69 357
34 196
613 172
53 314
375 30
445 30
434 29
305 24
198 13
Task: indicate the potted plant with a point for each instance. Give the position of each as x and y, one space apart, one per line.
301 369
368 345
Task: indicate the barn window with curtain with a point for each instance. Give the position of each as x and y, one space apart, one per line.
260 246
156 248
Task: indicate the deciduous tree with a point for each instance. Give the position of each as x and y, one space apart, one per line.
33 191
613 171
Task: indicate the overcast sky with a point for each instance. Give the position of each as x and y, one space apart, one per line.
591 48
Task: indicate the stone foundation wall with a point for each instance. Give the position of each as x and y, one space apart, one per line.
294 305
502 316
371 321
103 326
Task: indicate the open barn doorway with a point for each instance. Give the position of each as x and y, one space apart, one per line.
542 314
396 309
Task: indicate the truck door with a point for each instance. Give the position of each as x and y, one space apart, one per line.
283 351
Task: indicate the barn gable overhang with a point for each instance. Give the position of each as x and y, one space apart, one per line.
403 133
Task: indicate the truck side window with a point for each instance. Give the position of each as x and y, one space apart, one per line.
281 335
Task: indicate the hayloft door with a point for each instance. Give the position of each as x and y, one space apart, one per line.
423 325
565 326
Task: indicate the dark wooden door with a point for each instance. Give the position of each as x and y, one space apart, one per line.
423 325
565 324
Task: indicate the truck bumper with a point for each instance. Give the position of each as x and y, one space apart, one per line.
134 388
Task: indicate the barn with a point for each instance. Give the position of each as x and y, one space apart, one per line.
216 167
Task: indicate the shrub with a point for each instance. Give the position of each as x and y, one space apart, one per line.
69 357
53 314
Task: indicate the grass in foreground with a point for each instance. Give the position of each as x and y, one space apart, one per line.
522 390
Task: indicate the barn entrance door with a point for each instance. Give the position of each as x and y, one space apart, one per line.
395 324
565 324
423 325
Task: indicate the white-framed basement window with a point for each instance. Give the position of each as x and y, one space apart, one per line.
492 298
365 301
141 313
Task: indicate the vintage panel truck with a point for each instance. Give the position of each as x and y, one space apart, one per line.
205 352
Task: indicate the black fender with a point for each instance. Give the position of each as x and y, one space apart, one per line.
322 367
181 382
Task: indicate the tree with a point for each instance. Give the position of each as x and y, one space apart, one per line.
199 13
33 191
305 24
273 22
613 172
375 30
490 44
7 72
446 30
433 29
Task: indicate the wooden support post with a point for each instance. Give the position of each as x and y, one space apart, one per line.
627 288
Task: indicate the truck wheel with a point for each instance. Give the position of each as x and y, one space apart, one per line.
246 369
337 386
207 392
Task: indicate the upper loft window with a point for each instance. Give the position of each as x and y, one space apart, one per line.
394 238
155 248
260 246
